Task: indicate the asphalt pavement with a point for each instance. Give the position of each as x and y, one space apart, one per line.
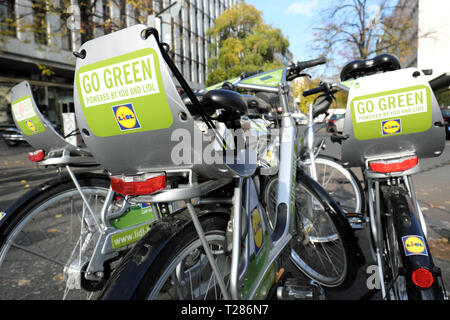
18 175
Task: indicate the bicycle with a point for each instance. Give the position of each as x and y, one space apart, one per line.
199 247
392 121
341 183
49 237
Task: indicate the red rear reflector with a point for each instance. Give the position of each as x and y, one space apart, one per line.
422 278
395 165
146 183
36 156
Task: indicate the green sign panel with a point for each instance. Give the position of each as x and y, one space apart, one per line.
268 79
124 94
26 117
390 113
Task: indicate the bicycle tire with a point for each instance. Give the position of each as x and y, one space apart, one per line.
37 241
340 183
314 239
400 224
175 270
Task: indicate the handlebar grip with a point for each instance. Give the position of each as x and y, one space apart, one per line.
311 63
309 92
338 138
322 106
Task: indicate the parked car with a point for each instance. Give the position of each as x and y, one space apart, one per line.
336 123
446 115
12 136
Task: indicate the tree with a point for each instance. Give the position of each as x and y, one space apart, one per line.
244 43
359 29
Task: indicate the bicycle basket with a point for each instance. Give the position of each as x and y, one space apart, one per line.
36 129
391 113
130 113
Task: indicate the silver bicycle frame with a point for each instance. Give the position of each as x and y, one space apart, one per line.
286 197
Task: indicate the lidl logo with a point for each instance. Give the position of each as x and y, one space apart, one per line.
257 230
31 126
414 245
126 117
391 126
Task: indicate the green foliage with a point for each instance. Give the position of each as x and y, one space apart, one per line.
244 43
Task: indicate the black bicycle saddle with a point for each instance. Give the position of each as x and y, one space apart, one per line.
359 68
216 99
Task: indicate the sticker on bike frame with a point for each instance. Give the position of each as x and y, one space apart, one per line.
257 230
373 115
130 236
133 79
414 245
26 117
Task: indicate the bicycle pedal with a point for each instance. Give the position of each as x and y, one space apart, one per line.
295 291
356 220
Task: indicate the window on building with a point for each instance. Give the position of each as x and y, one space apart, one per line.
7 18
66 37
123 13
39 21
107 28
87 25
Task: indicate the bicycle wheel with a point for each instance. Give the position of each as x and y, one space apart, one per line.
340 183
182 271
43 239
406 252
318 248
397 289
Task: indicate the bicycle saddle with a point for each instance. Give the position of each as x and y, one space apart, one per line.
360 68
217 99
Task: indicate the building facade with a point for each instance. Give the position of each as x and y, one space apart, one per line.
429 36
37 38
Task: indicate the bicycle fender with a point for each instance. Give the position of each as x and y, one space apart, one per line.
26 198
339 217
128 275
414 250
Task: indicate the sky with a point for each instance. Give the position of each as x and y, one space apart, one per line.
295 19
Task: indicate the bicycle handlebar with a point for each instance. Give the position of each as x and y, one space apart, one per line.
310 63
321 88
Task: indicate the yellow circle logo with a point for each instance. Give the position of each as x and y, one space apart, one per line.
31 126
257 228
391 126
414 244
126 117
